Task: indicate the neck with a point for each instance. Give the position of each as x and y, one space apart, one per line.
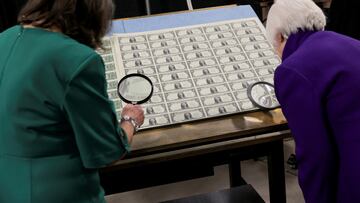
51 29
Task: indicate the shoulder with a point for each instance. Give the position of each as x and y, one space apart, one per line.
54 45
323 60
329 45
323 48
66 48
318 50
10 31
8 36
68 55
325 40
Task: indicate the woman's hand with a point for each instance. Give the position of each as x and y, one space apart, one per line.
134 112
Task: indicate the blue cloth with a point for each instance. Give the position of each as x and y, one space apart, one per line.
318 86
181 19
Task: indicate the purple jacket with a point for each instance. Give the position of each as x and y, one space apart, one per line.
318 86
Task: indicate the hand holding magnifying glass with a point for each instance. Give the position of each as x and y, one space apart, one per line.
134 89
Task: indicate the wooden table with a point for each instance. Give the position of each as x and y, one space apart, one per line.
191 150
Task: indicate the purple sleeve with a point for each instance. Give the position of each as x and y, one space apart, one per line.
315 152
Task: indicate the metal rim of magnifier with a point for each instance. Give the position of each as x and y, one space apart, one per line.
135 75
249 89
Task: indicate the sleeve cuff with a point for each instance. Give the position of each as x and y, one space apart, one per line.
124 139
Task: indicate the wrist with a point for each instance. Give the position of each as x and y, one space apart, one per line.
129 130
131 121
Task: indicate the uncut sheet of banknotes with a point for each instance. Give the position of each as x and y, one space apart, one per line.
198 72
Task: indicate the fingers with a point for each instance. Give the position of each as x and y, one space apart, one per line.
134 111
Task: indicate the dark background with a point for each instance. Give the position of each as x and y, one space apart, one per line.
343 17
8 12
127 8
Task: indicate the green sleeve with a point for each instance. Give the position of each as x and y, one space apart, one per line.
92 116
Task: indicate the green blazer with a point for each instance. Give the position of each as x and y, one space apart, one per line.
57 124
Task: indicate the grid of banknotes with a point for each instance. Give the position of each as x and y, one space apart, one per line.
198 71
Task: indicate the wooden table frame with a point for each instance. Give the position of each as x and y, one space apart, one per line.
191 150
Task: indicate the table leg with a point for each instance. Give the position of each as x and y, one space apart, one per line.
235 173
277 173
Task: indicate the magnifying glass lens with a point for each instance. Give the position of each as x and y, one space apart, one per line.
135 89
262 95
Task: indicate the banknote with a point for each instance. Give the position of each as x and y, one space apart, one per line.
221 110
198 71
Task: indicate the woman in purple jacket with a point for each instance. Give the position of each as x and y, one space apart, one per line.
318 86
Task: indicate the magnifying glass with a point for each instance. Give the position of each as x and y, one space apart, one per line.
135 88
262 95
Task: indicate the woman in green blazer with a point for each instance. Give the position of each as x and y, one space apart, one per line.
57 124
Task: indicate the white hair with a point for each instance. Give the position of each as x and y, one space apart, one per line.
286 17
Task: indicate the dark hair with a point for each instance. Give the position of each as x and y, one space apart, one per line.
86 21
